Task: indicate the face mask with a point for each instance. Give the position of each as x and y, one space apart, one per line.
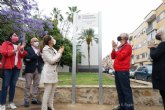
158 37
54 42
36 44
14 39
119 38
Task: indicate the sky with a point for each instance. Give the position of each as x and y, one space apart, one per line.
118 16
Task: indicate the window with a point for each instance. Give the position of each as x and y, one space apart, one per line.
144 31
143 55
161 16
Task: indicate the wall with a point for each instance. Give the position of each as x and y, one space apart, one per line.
143 95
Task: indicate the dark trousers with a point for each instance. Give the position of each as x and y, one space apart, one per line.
10 78
124 90
162 93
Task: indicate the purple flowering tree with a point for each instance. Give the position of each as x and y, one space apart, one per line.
15 16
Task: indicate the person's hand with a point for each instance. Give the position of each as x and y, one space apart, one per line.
152 45
61 50
114 44
23 45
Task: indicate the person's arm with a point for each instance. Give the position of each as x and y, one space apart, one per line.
51 60
114 46
156 53
113 54
125 52
21 52
5 50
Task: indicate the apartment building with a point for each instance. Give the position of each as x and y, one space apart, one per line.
145 34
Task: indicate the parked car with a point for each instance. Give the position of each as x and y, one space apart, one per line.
132 71
144 73
105 70
111 71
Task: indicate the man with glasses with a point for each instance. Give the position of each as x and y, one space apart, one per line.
33 66
122 56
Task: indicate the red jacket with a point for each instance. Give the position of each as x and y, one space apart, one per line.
8 56
122 58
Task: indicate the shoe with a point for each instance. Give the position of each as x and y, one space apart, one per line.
49 108
35 101
26 104
117 108
2 107
12 106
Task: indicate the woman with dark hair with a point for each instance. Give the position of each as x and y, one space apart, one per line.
49 75
12 55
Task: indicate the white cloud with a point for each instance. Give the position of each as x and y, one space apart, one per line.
117 15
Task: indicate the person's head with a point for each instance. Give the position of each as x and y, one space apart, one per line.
13 38
34 42
123 38
160 35
48 40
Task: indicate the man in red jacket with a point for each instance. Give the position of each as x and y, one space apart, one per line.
122 58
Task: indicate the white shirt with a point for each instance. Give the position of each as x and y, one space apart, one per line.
16 56
35 50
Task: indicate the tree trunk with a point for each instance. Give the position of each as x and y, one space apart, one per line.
67 29
89 56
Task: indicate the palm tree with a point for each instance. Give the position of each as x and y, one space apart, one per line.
88 36
72 11
57 16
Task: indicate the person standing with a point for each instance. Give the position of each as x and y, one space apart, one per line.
49 76
122 59
12 54
157 53
33 66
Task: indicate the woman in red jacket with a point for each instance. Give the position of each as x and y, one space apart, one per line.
12 55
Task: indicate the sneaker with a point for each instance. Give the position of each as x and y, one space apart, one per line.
117 108
26 104
2 107
12 106
35 101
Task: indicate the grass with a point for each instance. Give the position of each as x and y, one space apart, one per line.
84 79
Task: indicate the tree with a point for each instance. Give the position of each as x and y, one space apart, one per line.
70 14
15 16
57 15
88 36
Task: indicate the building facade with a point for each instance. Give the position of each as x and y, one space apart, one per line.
145 34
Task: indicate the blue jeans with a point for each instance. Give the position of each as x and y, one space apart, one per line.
10 78
124 90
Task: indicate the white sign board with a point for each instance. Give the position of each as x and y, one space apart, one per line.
87 20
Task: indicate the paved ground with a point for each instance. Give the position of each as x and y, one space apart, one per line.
87 107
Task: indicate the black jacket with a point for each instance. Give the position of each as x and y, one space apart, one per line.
32 61
158 71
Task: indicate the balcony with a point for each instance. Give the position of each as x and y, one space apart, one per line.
151 16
